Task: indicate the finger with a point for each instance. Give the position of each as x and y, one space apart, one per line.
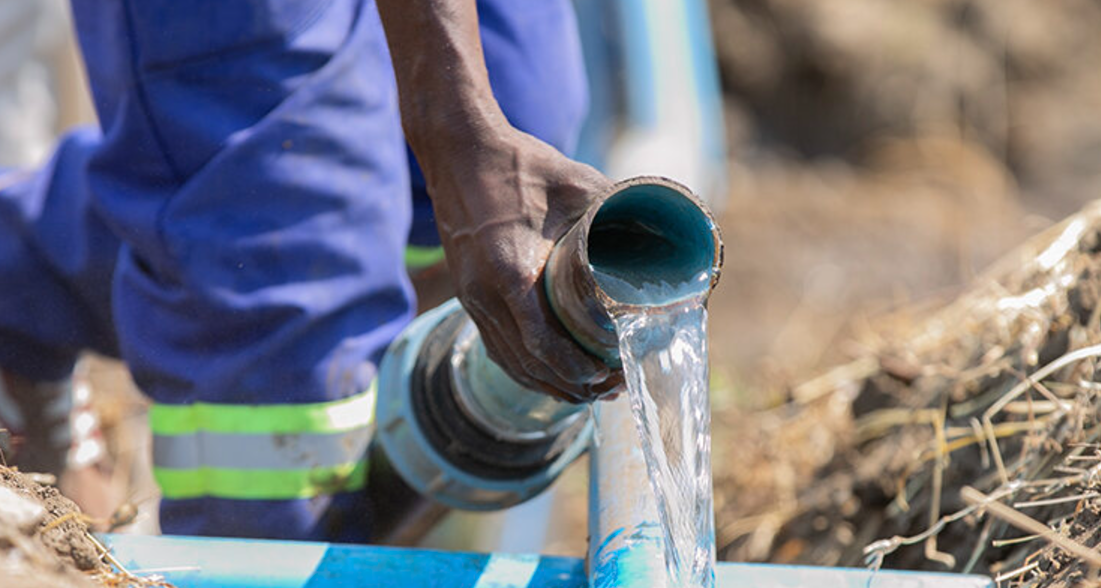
552 351
540 377
597 182
509 360
588 179
609 388
493 314
499 337
610 396
573 187
549 340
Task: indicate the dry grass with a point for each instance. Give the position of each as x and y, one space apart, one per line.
45 541
996 391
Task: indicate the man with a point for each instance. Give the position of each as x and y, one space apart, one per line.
235 230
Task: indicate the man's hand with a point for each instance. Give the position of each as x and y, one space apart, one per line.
501 202
502 198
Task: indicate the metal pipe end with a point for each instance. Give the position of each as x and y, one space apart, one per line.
649 242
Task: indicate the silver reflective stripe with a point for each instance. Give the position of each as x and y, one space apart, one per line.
274 451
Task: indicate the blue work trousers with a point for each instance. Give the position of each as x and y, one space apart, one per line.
234 229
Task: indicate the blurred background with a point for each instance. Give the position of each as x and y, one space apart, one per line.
868 157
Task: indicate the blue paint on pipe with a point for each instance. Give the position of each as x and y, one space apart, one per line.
627 543
200 562
634 560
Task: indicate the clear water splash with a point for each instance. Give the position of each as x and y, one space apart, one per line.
664 355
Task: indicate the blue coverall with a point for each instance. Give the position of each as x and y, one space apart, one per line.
235 231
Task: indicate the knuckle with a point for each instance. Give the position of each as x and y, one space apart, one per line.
512 276
532 365
471 291
570 363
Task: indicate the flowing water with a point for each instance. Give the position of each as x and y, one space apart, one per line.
664 355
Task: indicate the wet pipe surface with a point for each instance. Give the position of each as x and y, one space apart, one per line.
193 562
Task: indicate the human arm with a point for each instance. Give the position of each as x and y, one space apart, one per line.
501 197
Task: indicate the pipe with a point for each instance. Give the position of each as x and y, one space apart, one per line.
626 541
209 562
649 242
452 424
444 425
489 397
682 249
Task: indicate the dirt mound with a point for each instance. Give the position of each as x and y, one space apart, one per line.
870 463
43 541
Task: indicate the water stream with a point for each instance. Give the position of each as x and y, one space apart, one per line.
664 355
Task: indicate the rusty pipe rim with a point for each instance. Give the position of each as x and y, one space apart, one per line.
582 304
712 224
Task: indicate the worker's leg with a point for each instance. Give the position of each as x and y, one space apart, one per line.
56 262
253 165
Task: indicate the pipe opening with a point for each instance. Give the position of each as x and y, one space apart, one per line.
650 245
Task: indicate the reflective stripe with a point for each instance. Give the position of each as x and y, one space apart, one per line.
417 257
260 484
251 452
282 451
320 417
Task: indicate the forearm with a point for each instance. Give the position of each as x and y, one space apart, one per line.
501 197
442 82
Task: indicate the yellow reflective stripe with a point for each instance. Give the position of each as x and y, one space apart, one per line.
260 484
319 417
417 257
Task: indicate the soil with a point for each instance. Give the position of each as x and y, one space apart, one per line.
881 154
866 465
35 550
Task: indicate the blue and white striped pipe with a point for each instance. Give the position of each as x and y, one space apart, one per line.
200 562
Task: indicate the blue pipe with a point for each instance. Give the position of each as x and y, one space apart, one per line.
626 542
200 562
677 256
419 461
